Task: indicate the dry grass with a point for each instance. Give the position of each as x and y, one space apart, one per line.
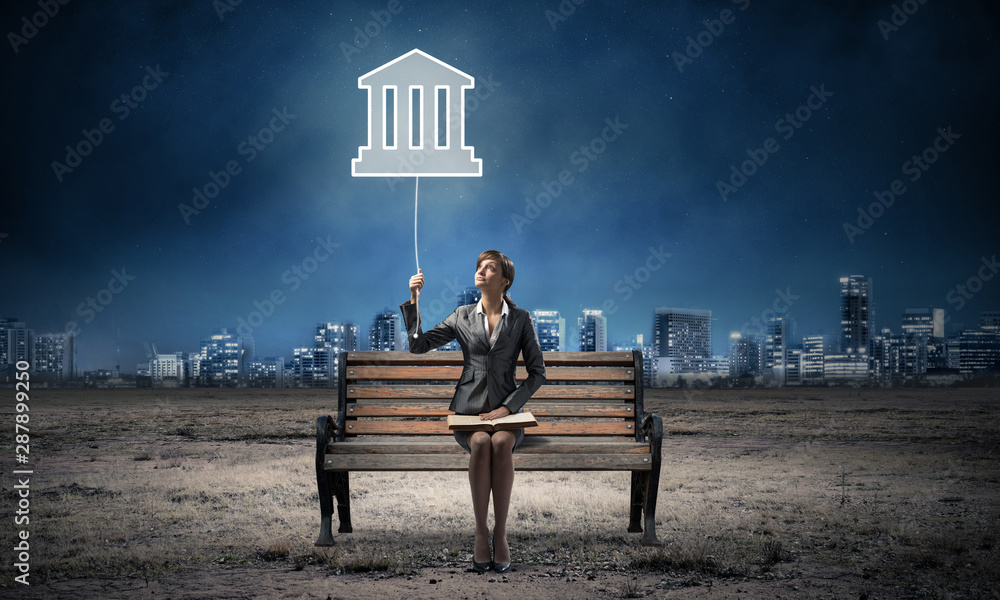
895 486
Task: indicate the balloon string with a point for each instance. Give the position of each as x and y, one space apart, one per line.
416 195
416 254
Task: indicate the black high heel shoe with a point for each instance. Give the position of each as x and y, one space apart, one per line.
500 567
480 567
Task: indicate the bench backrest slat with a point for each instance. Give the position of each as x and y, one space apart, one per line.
445 392
452 373
454 357
395 409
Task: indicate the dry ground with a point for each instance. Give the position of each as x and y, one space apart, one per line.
808 493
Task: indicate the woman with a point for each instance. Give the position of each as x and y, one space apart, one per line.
491 333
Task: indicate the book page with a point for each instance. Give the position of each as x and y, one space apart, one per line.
474 423
515 421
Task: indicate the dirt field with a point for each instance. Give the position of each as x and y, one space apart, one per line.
808 493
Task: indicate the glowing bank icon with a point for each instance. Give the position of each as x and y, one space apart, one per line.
416 120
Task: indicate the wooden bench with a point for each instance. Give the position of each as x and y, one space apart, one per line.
391 417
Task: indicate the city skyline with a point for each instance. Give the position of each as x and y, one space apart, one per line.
174 170
773 333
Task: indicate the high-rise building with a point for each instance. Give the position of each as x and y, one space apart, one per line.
386 332
634 343
937 358
989 320
337 338
55 358
593 331
814 350
715 366
879 357
978 351
855 314
551 329
267 372
343 337
793 366
845 368
17 343
648 365
638 342
775 346
744 354
469 295
953 354
898 358
928 322
682 338
222 360
169 370
909 356
314 367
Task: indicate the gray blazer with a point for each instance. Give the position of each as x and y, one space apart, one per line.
487 380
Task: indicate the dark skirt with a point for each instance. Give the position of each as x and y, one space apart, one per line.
462 437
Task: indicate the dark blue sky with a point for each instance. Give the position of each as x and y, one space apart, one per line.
837 103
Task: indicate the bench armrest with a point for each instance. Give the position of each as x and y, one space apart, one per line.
652 430
327 430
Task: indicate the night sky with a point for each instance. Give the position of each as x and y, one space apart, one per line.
842 99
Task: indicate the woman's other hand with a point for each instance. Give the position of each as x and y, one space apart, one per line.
499 413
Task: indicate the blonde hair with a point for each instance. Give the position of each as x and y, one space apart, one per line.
506 269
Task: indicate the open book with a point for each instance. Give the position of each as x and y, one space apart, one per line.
474 423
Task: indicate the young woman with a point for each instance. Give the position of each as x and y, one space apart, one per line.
491 333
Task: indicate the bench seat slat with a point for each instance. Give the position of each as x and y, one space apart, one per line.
460 462
541 409
531 445
620 428
445 392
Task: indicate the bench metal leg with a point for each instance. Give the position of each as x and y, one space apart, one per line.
324 431
342 490
654 432
638 500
